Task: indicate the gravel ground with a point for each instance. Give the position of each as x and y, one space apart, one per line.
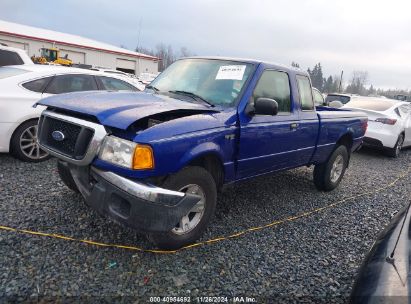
310 259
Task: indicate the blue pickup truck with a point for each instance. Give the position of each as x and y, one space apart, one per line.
155 160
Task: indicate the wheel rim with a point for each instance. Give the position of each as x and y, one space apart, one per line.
189 221
399 145
337 168
29 144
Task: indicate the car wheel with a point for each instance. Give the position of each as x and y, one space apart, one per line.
327 176
24 145
395 152
194 180
65 176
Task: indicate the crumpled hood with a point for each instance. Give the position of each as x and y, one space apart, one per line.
120 109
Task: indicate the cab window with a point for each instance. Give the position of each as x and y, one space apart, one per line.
274 85
306 95
318 98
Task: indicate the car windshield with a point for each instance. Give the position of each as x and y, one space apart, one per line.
218 82
343 99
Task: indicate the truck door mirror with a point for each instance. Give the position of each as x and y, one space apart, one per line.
265 106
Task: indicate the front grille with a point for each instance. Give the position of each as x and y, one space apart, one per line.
74 140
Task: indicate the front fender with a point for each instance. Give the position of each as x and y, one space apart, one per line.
201 150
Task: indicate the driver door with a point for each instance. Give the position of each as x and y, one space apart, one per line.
271 143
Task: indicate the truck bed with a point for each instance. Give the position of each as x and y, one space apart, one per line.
333 123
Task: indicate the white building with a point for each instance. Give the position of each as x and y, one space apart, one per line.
79 49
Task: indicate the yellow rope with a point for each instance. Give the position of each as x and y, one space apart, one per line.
215 240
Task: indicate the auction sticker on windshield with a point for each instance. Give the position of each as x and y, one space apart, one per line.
232 72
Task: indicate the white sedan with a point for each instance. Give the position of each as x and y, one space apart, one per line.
389 123
23 85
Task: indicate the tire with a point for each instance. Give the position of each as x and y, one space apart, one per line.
66 177
182 181
326 177
23 144
395 152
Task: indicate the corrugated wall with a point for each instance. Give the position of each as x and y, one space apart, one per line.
92 57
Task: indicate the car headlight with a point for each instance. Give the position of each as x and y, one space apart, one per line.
126 153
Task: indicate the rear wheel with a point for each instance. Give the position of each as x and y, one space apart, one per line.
395 152
24 144
327 176
193 180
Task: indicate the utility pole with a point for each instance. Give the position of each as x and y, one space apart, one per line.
339 87
137 72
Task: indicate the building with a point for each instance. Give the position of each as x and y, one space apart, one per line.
79 49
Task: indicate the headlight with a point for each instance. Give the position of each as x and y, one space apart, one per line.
126 153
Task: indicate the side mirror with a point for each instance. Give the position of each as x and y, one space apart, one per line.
265 106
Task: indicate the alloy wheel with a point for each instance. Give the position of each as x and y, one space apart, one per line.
189 221
337 168
29 144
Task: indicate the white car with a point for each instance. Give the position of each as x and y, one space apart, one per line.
147 78
389 123
21 86
13 56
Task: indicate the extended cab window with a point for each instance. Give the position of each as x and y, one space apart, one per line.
72 83
274 85
37 85
318 98
306 95
110 83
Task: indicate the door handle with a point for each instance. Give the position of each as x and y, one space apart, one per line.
294 126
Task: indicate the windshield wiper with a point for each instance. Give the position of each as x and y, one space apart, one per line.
192 95
152 87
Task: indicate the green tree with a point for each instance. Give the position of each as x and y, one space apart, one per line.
316 75
328 85
358 82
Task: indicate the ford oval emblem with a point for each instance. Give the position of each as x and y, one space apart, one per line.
58 135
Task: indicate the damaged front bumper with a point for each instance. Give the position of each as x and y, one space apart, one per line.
135 204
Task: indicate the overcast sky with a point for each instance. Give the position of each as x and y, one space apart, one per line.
369 35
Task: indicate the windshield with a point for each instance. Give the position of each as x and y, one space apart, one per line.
218 82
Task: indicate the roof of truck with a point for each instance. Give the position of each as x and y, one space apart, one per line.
252 61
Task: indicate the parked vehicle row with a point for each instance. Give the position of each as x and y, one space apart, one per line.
156 160
389 120
23 85
389 123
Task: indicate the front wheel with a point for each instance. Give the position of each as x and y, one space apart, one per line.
24 144
328 175
193 180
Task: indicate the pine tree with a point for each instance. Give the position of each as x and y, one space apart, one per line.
328 85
